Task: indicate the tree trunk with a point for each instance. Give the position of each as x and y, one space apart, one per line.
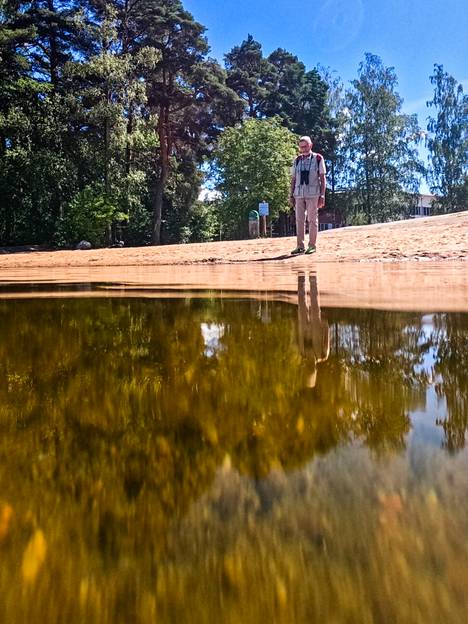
125 49
106 172
157 212
53 49
251 108
333 199
368 198
165 146
128 150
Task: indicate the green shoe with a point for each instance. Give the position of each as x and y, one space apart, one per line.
298 250
311 249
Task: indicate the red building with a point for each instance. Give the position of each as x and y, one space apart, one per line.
285 225
330 219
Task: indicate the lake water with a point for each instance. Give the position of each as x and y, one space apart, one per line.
231 460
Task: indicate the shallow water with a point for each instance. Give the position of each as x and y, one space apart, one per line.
231 460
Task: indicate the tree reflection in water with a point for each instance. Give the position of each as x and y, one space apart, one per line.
450 340
128 427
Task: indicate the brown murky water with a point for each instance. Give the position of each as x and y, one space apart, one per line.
209 460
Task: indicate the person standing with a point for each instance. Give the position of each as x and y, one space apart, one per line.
308 185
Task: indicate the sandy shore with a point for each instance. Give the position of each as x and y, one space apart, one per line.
416 264
442 237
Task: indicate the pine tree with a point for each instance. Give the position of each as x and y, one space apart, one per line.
250 75
186 91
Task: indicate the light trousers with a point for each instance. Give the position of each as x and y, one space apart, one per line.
307 205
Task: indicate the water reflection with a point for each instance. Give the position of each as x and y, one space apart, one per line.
220 460
314 334
450 339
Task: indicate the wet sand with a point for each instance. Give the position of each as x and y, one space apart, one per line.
409 265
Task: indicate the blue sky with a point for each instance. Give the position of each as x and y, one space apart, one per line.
410 36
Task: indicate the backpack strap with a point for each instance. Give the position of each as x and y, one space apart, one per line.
318 158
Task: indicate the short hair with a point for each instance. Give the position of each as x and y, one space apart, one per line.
306 139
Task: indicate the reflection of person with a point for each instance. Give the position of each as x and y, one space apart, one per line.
313 331
307 192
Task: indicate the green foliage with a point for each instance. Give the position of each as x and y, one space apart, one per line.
380 143
204 221
188 93
448 142
278 85
135 202
253 162
250 75
181 194
123 96
93 120
88 216
39 173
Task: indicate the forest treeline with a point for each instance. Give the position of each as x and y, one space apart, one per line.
113 115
